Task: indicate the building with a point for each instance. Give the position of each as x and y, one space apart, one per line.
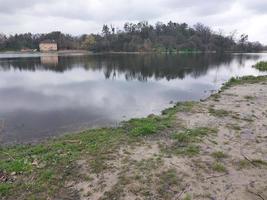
48 45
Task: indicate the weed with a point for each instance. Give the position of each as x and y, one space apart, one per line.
189 150
242 80
218 167
187 197
18 166
183 141
5 189
218 155
261 66
248 97
150 125
169 184
243 164
259 162
180 107
218 113
193 135
216 96
234 127
256 162
148 164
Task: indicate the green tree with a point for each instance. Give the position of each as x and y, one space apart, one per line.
89 42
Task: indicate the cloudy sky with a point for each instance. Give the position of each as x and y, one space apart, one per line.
87 16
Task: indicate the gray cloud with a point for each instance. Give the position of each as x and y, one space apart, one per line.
12 6
81 16
259 6
199 7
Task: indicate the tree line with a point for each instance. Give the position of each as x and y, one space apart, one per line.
140 37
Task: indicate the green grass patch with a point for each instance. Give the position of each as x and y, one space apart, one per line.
215 96
169 184
193 135
145 126
219 155
188 150
187 197
180 107
46 175
154 124
242 164
219 167
5 189
243 80
259 162
248 97
18 166
261 66
219 112
184 141
235 127
148 164
148 126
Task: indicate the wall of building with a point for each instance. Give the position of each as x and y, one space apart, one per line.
48 47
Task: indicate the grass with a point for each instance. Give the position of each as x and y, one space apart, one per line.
148 164
169 184
153 124
261 66
242 164
219 167
235 127
147 126
219 112
218 155
138 179
180 107
184 142
193 135
187 197
215 96
248 97
189 150
16 166
5 188
243 80
259 162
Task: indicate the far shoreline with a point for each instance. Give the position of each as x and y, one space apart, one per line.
60 52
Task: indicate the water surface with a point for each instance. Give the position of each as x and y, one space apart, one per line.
44 95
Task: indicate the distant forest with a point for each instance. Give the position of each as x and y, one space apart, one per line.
140 37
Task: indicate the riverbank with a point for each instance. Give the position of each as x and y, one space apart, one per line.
215 149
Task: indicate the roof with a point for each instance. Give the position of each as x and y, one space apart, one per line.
48 42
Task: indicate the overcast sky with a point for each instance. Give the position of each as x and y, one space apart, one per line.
87 16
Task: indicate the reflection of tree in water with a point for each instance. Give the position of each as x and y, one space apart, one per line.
133 67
